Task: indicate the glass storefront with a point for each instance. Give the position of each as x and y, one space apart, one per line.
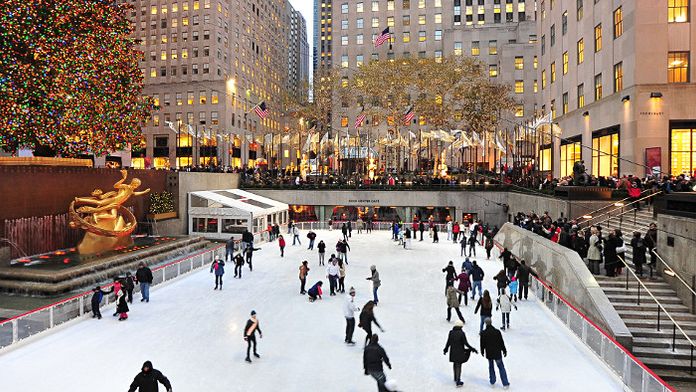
605 154
439 214
570 153
303 213
683 150
545 158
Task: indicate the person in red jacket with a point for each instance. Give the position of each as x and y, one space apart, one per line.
464 286
455 232
281 244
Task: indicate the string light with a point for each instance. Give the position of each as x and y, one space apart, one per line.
69 77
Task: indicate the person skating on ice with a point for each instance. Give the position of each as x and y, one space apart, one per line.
350 228
321 248
373 356
472 241
463 287
129 286
344 231
513 288
295 235
238 264
376 282
493 348
504 302
341 277
489 246
252 326
147 379
485 304
218 267
349 309
144 277
97 296
122 306
502 281
451 275
367 317
311 236
332 272
304 270
477 275
315 291
281 245
453 303
459 350
249 255
436 238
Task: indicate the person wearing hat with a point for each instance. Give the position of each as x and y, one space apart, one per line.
376 282
459 350
349 309
147 379
96 300
252 326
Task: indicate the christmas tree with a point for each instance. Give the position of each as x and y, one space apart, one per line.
69 77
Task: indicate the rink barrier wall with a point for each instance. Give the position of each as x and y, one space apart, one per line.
18 328
632 371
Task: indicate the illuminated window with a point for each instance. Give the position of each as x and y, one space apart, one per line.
214 97
493 47
153 10
677 11
421 36
536 86
581 95
618 23
438 18
163 55
202 97
605 155
536 62
519 86
475 48
344 121
565 63
598 38
390 5
493 70
196 5
543 79
184 53
156 120
545 158
421 19
618 77
678 67
683 151
189 98
519 110
581 51
375 6
553 72
598 87
375 22
179 99
519 62
406 37
390 21
421 3
570 153
359 7
457 49
153 72
438 3
565 103
155 98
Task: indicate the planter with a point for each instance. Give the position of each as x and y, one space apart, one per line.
162 216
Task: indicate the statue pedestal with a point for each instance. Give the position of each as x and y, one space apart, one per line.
93 244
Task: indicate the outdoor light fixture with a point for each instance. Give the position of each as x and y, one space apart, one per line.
626 98
585 113
618 204
587 217
655 94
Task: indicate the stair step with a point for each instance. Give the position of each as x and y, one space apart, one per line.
644 297
658 292
665 332
681 344
666 363
651 322
650 306
664 353
638 314
684 380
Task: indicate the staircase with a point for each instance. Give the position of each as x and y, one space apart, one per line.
650 345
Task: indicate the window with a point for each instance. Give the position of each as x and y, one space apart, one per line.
553 108
421 36
344 40
457 49
359 60
519 62
535 62
598 38
344 25
375 22
605 155
536 86
519 86
344 8
570 153
214 99
683 150
492 47
553 72
564 23
565 103
406 20
344 121
565 63
406 4
581 95
677 11
475 49
202 97
359 7
390 5
579 9
598 87
438 18
406 37
344 61
581 51
153 72
375 6
421 19
543 45
618 23
543 79
493 70
545 158
359 39
390 21
421 3
678 67
438 35
552 35
618 77
519 110
438 56
360 23
179 99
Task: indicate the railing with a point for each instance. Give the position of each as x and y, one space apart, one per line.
660 308
674 273
28 324
614 204
382 187
620 206
381 225
632 372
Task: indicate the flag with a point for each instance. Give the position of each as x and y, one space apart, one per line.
325 138
190 129
382 38
411 135
261 110
360 120
408 116
171 126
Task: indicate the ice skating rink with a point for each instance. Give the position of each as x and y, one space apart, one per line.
194 334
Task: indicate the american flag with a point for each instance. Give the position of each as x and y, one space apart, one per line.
360 120
408 116
261 110
382 38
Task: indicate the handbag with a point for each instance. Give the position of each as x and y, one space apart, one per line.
467 355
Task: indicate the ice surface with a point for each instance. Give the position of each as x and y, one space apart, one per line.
194 334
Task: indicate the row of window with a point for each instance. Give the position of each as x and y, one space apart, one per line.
196 69
677 10
405 4
191 98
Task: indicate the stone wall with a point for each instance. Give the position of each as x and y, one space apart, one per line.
680 255
525 202
565 271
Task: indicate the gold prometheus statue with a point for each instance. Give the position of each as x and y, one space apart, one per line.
108 224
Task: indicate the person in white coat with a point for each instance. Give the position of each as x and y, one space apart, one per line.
349 309
449 230
332 273
504 303
296 235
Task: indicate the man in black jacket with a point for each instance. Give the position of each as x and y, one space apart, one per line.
144 277
373 356
523 277
451 275
493 348
250 329
147 379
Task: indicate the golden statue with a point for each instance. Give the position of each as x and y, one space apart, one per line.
108 223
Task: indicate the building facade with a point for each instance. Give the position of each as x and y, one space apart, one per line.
616 77
298 54
207 64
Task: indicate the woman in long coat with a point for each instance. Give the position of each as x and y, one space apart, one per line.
459 350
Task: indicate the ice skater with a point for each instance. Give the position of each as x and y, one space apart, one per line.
296 236
504 302
376 282
321 247
218 267
373 356
485 304
451 275
489 246
453 303
144 277
350 229
502 281
304 270
252 326
513 288
118 288
332 272
459 350
96 300
462 244
493 348
349 309
129 286
472 244
344 231
463 287
238 264
281 245
122 306
311 236
367 317
249 254
436 238
315 291
477 275
147 379
341 277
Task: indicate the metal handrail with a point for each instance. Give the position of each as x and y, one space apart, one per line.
612 204
654 251
674 322
619 208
